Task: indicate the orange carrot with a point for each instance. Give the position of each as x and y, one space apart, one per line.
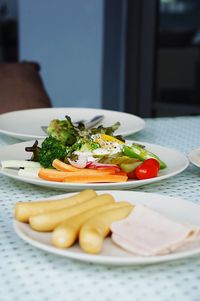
52 174
120 173
59 165
86 171
95 178
59 176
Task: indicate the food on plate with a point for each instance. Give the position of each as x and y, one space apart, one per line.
48 221
74 148
140 153
61 166
24 210
66 138
148 169
51 149
68 176
66 132
19 164
94 230
88 218
146 232
97 179
66 233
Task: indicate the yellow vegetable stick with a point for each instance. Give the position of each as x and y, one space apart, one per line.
66 233
23 210
94 231
109 138
48 221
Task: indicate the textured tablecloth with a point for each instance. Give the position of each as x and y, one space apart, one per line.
27 273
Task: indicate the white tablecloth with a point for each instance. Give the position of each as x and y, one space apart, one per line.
27 273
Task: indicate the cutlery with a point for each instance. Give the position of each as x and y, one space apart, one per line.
94 121
88 124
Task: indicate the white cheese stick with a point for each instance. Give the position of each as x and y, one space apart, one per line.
29 172
19 163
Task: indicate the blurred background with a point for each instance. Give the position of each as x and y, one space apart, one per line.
137 56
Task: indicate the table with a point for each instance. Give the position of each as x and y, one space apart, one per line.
27 273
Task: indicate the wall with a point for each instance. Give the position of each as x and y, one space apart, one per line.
65 36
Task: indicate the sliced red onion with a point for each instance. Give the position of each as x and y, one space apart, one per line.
81 162
102 165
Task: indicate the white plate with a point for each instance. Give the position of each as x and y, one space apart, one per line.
177 209
194 157
26 124
176 163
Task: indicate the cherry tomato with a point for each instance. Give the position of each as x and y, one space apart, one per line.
147 170
131 174
153 161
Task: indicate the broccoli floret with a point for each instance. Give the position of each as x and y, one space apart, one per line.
63 130
51 149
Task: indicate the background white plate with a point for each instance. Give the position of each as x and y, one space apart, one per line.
26 124
176 163
177 209
194 156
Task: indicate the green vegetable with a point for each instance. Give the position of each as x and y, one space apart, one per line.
105 130
139 152
88 145
50 149
82 145
63 130
117 158
129 167
68 134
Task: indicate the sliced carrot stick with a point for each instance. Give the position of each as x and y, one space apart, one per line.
59 176
89 172
95 178
120 173
59 165
52 174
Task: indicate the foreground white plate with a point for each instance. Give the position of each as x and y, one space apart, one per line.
26 124
194 157
177 209
176 163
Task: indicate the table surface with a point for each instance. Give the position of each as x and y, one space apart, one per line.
30 274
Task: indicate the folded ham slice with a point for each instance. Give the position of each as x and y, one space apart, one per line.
146 232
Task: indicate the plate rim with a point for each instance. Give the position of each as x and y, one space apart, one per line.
105 259
32 136
193 151
98 186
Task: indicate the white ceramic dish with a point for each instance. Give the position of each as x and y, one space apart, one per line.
111 254
194 157
26 124
176 163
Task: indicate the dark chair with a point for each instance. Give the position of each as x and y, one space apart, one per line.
21 87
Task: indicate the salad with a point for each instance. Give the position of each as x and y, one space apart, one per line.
95 155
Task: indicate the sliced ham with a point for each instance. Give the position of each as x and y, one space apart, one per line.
146 232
